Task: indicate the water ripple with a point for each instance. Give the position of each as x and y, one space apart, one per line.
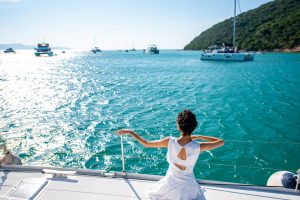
63 111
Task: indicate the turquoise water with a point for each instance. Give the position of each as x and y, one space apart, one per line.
63 111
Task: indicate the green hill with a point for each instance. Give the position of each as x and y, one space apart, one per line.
273 26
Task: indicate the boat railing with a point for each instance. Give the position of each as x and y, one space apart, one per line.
217 164
230 165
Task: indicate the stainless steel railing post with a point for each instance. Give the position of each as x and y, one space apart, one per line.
123 160
298 180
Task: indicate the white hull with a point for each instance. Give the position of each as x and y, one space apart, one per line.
228 56
49 53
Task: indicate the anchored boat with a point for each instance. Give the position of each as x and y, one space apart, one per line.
152 49
43 49
227 53
9 50
96 50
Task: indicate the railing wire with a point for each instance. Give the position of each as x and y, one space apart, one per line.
213 164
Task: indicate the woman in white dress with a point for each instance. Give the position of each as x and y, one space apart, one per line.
179 182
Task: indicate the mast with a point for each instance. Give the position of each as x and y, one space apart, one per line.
95 40
233 37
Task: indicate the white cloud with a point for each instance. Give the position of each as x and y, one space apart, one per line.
9 1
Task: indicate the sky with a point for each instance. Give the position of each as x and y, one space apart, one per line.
112 24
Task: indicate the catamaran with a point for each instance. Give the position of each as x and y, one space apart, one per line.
227 53
47 183
43 49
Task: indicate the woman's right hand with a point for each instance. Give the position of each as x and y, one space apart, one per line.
124 131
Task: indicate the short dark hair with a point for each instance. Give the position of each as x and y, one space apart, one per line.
187 122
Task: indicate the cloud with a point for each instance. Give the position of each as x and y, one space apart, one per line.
9 1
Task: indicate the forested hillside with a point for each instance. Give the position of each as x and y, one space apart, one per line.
273 26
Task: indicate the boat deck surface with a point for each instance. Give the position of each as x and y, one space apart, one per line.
79 186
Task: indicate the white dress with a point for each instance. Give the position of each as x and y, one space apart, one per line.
179 184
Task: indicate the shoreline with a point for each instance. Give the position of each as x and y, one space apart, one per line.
296 50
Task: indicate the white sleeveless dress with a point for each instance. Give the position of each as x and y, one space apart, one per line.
179 184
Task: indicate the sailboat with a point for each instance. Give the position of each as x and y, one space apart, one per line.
95 49
227 53
132 49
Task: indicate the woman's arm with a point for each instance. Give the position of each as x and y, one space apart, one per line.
163 143
202 137
212 143
206 146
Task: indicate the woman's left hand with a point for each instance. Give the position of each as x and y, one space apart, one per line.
124 131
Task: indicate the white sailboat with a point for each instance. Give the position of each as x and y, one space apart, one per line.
225 53
95 49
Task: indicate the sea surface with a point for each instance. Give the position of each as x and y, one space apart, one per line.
62 111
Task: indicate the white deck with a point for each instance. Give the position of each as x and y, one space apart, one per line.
99 187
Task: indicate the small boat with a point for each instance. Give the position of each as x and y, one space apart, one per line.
96 50
227 53
152 49
132 49
43 49
9 50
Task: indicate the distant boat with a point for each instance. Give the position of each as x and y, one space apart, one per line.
152 49
227 52
9 50
43 49
132 49
96 50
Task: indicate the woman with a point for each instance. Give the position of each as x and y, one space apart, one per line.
179 182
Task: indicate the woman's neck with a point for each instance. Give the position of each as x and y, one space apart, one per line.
185 137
